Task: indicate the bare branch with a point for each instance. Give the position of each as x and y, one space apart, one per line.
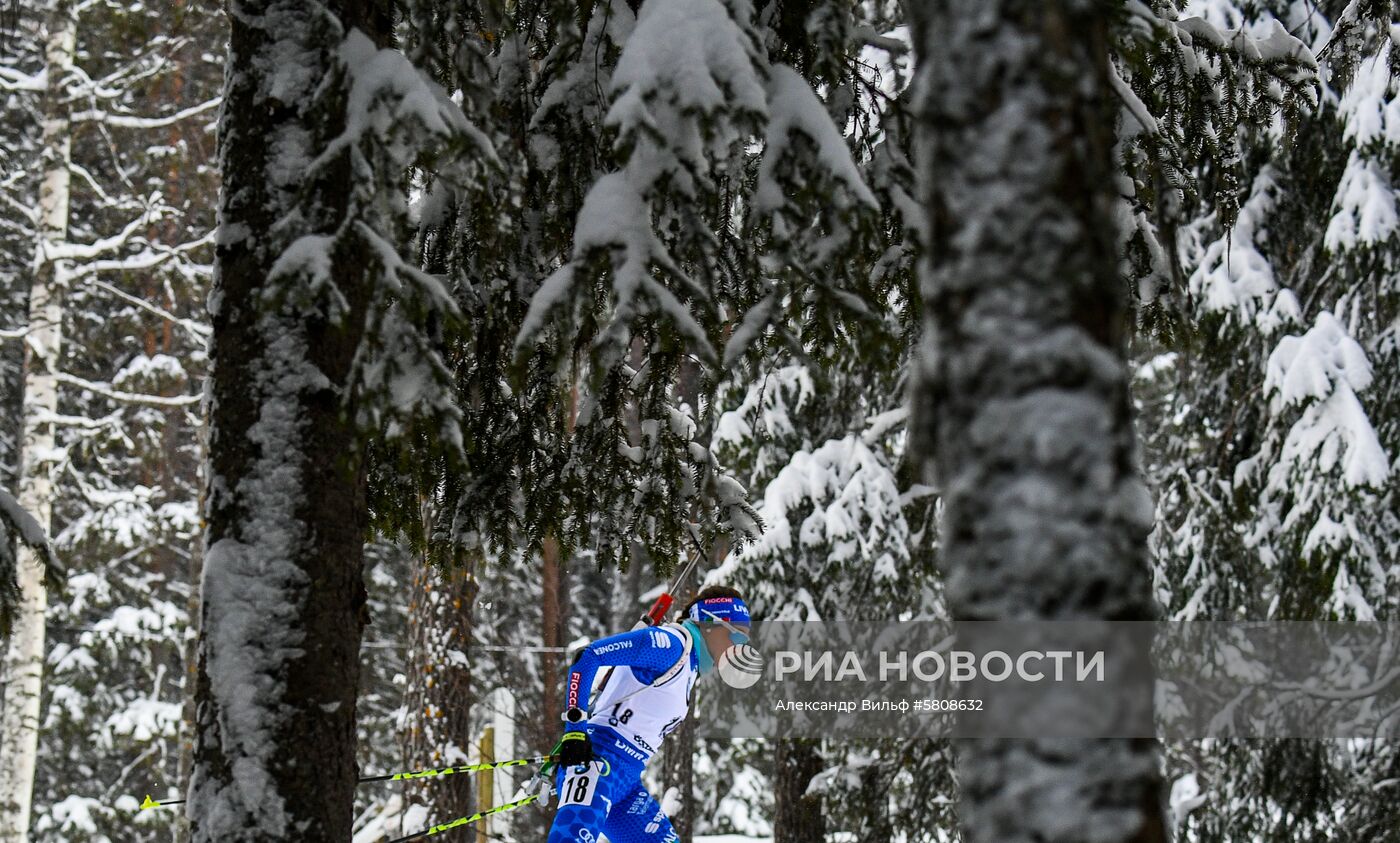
107 391
197 330
78 251
109 421
132 121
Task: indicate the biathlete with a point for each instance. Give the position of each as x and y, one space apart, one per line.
605 748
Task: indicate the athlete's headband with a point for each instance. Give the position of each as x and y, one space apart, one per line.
728 609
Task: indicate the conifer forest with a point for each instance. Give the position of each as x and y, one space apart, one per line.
368 368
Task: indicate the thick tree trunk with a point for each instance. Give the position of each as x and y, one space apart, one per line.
797 815
282 595
24 652
1023 393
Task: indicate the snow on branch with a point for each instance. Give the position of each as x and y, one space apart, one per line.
1371 104
616 220
687 85
1364 213
399 363
871 38
154 255
1323 370
1231 273
1131 101
396 118
1191 90
14 80
834 511
14 519
25 212
132 121
394 103
197 330
106 245
686 63
794 109
1364 207
107 391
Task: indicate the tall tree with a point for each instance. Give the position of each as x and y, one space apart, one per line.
1023 396
121 458
1268 377
321 341
24 654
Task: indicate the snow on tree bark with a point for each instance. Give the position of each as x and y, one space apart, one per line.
296 268
1023 395
24 653
440 693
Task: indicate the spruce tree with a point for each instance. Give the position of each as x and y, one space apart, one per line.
321 342
1266 387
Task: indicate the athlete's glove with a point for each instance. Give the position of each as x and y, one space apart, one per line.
574 748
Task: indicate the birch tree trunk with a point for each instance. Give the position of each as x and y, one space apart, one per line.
283 597
1023 388
24 654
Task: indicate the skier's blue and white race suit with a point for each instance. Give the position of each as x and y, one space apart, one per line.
646 697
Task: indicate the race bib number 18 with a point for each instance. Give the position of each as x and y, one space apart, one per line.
580 784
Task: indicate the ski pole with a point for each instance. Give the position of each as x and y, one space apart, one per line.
448 826
657 613
463 768
406 775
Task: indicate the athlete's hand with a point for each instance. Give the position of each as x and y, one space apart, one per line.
574 748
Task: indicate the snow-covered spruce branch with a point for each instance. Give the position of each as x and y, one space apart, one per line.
690 81
26 528
133 121
1195 51
14 519
107 391
1131 101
